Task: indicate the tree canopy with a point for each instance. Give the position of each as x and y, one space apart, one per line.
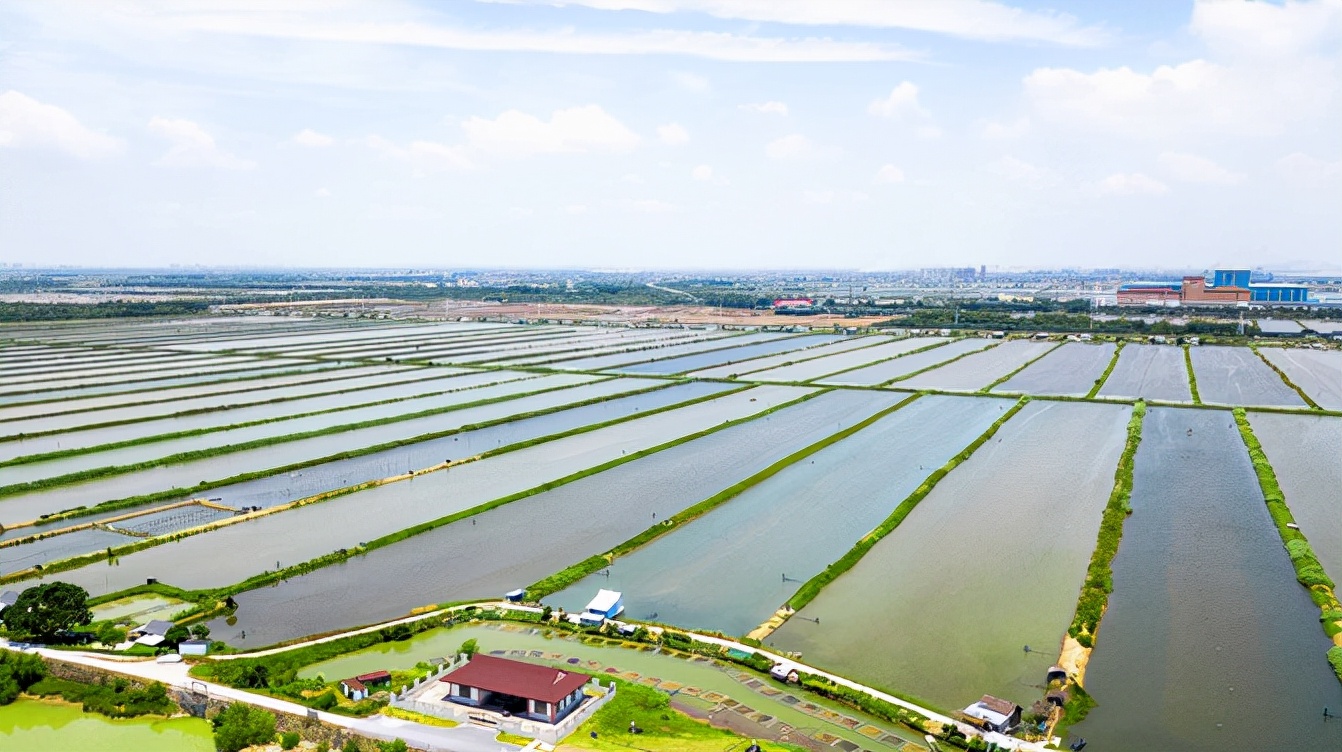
45 611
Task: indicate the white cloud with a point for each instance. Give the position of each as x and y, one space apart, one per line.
834 197
421 154
673 134
322 25
1132 184
1190 168
322 193
973 19
575 209
572 130
999 131
767 108
690 81
648 206
191 146
902 103
28 123
889 174
312 139
1267 29
1024 173
1303 167
795 146
703 172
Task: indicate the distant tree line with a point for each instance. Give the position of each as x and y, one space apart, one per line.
20 312
1012 321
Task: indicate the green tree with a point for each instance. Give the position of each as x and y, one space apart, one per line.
44 611
289 740
111 634
395 745
176 635
200 631
240 725
469 647
350 745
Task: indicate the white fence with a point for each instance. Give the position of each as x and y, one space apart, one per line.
545 732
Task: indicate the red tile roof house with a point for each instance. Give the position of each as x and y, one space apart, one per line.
525 690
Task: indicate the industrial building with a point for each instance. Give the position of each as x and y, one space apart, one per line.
1228 287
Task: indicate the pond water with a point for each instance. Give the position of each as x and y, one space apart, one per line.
218 367
503 386
626 345
544 533
188 474
976 371
1306 454
1317 372
31 725
271 368
814 369
881 373
727 571
1208 643
989 562
55 419
37 374
1071 370
1153 372
221 390
236 552
773 361
729 355
215 420
1236 376
601 362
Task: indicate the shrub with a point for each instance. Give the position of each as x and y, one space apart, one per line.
289 740
395 745
240 725
1335 658
325 701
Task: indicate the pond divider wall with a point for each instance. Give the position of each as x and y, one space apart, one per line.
1022 367
924 348
812 587
1099 383
1192 379
1308 570
911 374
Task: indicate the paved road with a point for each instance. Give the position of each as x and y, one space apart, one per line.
458 739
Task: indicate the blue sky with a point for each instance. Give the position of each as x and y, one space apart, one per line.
869 134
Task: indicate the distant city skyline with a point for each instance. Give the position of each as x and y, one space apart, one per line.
672 135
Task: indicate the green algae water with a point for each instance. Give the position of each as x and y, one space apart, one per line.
31 725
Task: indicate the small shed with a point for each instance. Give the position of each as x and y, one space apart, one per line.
193 647
353 689
1055 673
375 679
784 672
515 596
151 633
606 605
994 714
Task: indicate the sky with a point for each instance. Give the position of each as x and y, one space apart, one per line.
645 134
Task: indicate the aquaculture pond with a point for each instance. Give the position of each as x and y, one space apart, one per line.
269 369
1306 454
1209 643
726 571
233 553
1317 372
32 725
1152 372
696 681
543 533
650 353
729 355
185 475
814 369
773 361
285 417
286 487
881 373
977 371
1071 370
1236 376
990 562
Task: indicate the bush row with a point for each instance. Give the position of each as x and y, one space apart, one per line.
1286 379
1192 379
1099 383
1099 575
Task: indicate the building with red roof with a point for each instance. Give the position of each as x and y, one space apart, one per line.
515 688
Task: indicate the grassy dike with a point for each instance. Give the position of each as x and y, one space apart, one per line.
190 433
177 493
934 366
1308 571
1192 378
1099 383
566 577
1286 379
812 587
296 570
1022 367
